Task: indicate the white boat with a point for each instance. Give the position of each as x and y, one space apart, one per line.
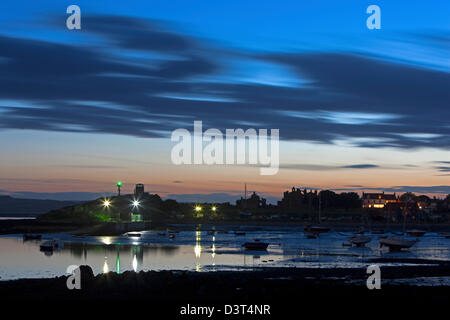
360 241
396 243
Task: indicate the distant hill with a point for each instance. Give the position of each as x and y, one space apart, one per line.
14 206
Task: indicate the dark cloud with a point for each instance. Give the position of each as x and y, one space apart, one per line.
443 190
318 167
61 196
360 166
134 33
362 99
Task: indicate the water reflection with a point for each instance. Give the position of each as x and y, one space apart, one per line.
192 250
105 266
198 246
118 262
135 263
198 249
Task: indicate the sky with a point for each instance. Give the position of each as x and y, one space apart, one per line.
357 109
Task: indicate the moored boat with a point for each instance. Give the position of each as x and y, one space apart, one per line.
316 229
29 236
238 233
396 243
415 232
50 245
256 245
360 241
133 235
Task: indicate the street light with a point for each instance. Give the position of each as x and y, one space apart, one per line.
106 203
214 208
135 203
198 208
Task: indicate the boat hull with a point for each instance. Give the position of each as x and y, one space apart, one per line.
396 244
360 241
256 246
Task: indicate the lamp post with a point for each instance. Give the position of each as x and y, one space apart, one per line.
198 210
118 184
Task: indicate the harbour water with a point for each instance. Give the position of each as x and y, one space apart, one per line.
203 251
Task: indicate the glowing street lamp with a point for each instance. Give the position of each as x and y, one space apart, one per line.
106 203
119 185
198 209
135 203
213 208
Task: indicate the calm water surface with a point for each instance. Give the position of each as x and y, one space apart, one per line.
200 251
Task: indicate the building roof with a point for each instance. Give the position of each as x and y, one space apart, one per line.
384 196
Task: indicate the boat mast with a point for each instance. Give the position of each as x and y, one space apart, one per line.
320 205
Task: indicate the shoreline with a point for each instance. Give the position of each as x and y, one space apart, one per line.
275 286
15 226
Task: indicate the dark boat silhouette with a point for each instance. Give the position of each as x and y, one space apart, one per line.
29 236
396 243
256 245
134 235
360 241
415 232
316 229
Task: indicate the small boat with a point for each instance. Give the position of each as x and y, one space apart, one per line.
171 236
316 229
223 231
360 241
311 236
256 245
415 232
50 245
29 236
359 231
210 233
346 244
396 243
377 231
134 235
238 233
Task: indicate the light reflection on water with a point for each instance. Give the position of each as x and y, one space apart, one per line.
200 251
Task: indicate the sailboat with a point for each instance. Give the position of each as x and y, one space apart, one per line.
395 243
315 231
360 239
